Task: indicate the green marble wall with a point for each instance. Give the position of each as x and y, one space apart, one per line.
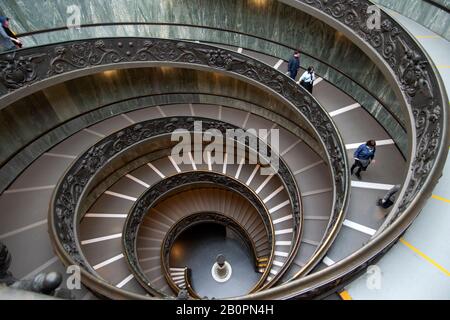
445 3
273 21
426 14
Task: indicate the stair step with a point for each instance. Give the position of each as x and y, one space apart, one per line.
261 259
262 265
181 281
176 269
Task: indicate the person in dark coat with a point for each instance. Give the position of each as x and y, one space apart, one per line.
294 65
364 155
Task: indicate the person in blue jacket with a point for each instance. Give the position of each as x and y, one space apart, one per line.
364 155
294 65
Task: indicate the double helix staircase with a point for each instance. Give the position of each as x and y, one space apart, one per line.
299 222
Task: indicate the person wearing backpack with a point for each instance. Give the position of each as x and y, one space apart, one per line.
294 64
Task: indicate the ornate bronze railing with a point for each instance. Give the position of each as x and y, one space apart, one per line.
90 164
166 187
317 60
398 55
204 217
189 288
419 88
29 70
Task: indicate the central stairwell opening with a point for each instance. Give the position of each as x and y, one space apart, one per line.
198 247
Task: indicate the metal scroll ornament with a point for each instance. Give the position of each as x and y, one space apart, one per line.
67 195
61 61
78 55
414 74
158 191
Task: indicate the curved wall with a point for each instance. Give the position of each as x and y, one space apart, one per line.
272 20
46 117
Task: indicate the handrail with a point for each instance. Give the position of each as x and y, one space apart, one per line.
309 55
161 101
169 124
420 88
69 60
286 178
189 288
400 57
162 189
202 217
284 173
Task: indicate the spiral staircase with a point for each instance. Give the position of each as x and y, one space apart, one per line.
89 177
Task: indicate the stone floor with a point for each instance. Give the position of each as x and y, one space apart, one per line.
199 254
418 266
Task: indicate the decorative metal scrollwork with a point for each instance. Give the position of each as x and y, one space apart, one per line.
61 59
16 72
415 76
409 65
148 199
68 193
191 220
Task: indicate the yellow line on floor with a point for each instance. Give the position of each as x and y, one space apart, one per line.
345 295
442 66
428 37
440 198
424 256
